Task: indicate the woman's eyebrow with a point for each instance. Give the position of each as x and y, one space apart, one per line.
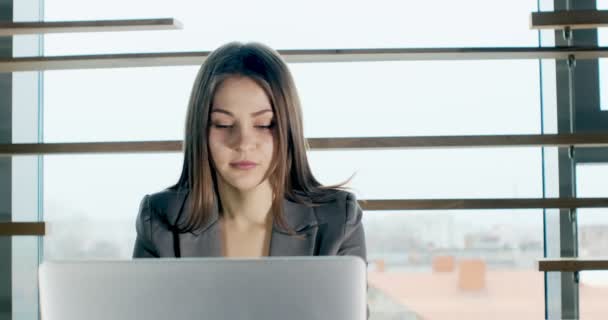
255 114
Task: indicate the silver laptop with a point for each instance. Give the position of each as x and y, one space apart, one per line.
295 288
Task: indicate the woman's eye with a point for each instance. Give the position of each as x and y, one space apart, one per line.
269 126
230 126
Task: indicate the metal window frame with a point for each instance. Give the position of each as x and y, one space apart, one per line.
195 58
348 143
578 111
20 28
6 48
20 178
580 19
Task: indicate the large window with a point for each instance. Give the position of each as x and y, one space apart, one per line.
444 264
310 24
593 235
462 258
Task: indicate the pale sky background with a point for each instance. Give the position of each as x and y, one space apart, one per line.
339 99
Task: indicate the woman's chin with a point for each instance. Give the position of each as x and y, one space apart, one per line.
244 186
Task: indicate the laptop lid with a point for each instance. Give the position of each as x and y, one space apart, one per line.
295 288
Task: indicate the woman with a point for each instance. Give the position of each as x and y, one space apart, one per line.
246 188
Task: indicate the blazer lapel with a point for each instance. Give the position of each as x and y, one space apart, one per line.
205 244
206 241
202 242
303 221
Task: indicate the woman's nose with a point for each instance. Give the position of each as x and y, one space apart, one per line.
245 139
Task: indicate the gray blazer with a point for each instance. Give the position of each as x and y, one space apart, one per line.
332 228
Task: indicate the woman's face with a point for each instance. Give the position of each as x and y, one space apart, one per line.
241 133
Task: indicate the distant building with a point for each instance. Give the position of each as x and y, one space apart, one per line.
483 240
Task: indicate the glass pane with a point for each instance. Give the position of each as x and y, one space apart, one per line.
459 264
25 281
87 195
444 252
102 107
403 246
419 98
21 176
434 173
25 205
547 36
602 38
603 83
593 236
91 201
301 24
415 99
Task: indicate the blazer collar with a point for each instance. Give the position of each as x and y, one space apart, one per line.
297 215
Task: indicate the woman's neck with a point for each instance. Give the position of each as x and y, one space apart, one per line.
250 208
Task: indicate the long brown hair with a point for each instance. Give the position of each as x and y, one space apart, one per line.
289 173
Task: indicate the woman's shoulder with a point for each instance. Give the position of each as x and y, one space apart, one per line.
163 197
341 207
163 204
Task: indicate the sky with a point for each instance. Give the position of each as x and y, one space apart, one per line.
413 98
339 99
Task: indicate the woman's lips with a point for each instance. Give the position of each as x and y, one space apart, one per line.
243 165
